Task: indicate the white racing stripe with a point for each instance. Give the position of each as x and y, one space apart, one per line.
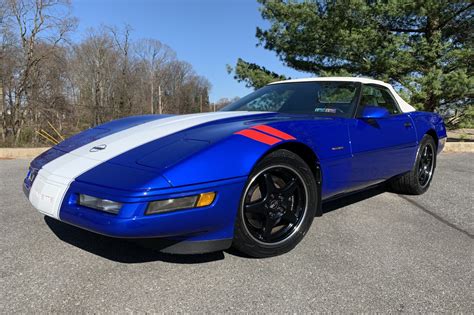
54 178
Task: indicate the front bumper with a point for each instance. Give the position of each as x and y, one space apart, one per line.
210 223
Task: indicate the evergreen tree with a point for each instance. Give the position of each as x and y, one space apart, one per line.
253 75
423 46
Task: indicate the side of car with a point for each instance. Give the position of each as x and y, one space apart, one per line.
383 144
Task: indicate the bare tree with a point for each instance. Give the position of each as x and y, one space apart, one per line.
48 81
96 69
223 102
155 55
32 21
122 42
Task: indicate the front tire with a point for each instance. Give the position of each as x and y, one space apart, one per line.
277 206
418 180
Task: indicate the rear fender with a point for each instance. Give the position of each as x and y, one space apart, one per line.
430 123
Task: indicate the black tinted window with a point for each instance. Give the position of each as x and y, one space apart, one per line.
320 98
378 96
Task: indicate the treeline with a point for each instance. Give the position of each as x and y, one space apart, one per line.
48 82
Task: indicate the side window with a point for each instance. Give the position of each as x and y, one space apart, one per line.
378 96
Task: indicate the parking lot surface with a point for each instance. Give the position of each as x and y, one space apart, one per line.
373 251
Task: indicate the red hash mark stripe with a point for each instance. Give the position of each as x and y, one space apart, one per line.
274 132
258 136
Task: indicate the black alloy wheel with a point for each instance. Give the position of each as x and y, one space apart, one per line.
426 165
418 179
278 205
275 204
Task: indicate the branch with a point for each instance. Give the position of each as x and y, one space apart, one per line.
406 30
443 24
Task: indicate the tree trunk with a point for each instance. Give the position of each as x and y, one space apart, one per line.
431 103
160 108
152 91
2 112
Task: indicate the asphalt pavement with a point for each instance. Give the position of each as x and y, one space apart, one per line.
372 252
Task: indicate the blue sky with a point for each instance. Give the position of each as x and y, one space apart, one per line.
206 33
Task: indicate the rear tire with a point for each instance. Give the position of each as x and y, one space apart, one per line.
277 206
418 180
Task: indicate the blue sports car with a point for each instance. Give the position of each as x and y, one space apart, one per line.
252 176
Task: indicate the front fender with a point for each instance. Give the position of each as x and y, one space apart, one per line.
234 156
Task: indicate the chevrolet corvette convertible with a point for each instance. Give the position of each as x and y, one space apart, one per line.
252 176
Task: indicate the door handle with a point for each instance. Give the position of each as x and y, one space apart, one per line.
408 124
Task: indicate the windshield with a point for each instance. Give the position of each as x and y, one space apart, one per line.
336 99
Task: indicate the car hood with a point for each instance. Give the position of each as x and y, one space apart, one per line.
167 151
110 140
154 145
185 138
96 150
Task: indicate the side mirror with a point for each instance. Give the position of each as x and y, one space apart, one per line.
371 112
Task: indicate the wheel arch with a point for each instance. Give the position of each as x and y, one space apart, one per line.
432 133
310 157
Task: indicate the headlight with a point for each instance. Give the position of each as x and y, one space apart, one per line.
100 204
168 205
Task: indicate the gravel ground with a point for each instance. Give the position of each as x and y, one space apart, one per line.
372 252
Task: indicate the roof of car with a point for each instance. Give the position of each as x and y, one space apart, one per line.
345 79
